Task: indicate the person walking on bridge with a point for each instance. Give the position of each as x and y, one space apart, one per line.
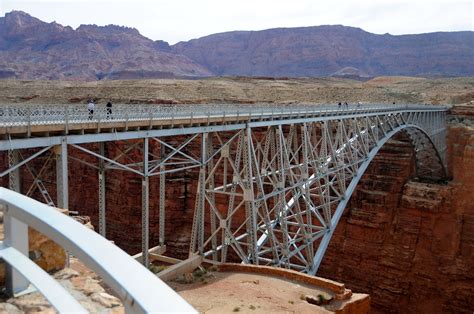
109 109
90 107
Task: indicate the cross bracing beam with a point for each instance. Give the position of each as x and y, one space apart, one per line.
309 184
270 182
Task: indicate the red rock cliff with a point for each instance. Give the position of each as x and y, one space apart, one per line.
409 244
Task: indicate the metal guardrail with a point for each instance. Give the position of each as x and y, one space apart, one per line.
35 114
139 289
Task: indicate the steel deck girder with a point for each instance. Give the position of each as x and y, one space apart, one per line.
272 185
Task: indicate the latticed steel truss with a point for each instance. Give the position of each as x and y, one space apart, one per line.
274 195
270 191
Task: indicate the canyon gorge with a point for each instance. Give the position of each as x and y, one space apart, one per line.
407 242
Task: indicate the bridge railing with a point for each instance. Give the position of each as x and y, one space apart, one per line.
33 114
139 289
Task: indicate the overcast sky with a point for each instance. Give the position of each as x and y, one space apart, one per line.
179 20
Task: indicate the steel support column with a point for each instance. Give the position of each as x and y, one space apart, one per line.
210 179
62 183
162 213
14 176
282 206
145 204
197 234
102 219
249 198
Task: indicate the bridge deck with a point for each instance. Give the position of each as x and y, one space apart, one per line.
290 184
47 120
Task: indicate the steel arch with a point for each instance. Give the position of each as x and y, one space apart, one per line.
271 177
283 223
352 186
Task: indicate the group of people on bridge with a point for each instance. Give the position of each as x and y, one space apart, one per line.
346 105
91 108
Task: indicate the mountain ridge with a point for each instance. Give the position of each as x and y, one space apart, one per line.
33 49
324 50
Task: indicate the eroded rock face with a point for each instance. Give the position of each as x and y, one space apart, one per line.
45 252
409 244
325 50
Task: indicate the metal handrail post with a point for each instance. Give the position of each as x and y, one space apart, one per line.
29 121
16 236
139 289
66 117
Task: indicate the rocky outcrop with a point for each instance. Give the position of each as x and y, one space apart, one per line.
352 73
80 282
43 251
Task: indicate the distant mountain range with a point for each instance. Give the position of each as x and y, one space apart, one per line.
32 49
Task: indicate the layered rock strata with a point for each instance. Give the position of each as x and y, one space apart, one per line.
408 244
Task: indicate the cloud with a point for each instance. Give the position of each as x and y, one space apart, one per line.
176 20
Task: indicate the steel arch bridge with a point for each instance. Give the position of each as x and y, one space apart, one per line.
273 179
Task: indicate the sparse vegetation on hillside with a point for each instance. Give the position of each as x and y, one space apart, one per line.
243 90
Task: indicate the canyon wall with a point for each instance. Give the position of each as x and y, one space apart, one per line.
408 244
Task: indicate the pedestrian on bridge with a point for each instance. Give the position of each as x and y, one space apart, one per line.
109 109
90 107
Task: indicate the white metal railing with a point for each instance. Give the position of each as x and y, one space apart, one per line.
139 289
36 114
